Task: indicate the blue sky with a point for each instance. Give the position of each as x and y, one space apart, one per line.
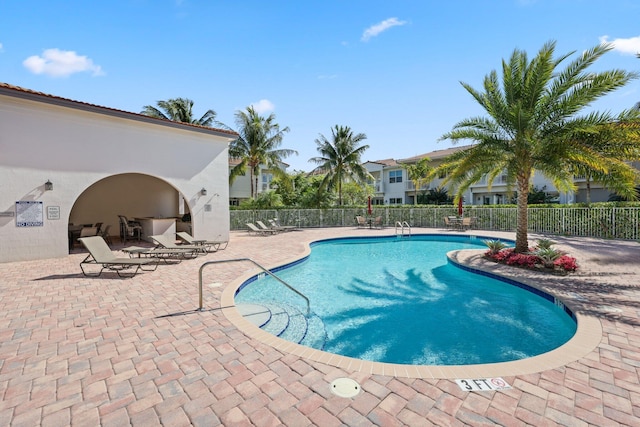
389 69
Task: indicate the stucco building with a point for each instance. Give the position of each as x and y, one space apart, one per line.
64 161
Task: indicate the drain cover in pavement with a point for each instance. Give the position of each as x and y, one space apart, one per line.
345 387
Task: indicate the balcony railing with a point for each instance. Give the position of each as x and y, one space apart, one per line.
409 186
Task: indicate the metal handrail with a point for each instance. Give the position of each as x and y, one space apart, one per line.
402 225
200 307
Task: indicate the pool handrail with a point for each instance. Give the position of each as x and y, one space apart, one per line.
402 225
201 305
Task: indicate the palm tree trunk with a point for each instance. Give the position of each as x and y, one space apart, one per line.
251 179
522 243
588 190
256 187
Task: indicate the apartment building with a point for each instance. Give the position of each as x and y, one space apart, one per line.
240 190
392 185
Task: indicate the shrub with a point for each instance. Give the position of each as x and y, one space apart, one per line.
544 244
563 263
522 260
495 246
566 263
548 256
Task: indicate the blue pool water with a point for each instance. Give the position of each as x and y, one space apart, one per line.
400 301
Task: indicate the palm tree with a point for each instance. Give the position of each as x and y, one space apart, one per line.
179 110
532 123
257 145
618 143
418 173
340 159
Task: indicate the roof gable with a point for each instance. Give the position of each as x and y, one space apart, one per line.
20 92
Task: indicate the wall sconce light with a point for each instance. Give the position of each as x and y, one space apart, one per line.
48 186
203 191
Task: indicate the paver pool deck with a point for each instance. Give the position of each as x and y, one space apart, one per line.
115 352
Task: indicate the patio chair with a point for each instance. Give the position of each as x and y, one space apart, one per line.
88 231
448 224
276 226
377 222
465 224
251 228
262 226
105 234
100 254
129 229
83 232
456 223
214 245
361 221
163 254
163 241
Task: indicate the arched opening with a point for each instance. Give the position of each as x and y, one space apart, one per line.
133 195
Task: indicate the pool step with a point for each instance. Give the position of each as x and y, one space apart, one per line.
286 322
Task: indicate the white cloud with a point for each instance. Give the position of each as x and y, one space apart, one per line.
376 29
263 106
630 46
0 47
61 63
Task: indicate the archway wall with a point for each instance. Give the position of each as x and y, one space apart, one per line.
74 146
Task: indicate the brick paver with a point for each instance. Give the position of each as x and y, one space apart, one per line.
106 351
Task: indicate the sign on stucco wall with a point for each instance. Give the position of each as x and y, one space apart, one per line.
53 212
29 213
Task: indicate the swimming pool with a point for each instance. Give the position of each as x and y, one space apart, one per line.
400 301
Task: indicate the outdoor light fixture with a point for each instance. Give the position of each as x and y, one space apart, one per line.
203 191
48 186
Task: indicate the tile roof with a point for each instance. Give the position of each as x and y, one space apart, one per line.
385 162
17 91
437 154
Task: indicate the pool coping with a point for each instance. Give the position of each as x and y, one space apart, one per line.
587 337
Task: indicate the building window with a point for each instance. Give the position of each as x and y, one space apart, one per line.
395 176
266 181
395 201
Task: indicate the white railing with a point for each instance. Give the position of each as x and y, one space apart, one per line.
606 222
409 186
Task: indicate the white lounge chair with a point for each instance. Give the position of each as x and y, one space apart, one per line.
214 245
164 242
262 226
166 255
100 254
276 226
255 230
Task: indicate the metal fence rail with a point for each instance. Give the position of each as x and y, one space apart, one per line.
603 222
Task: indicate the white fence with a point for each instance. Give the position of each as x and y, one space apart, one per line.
605 222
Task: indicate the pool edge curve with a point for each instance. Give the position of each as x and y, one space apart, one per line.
587 337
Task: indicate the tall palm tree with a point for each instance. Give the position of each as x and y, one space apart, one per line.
418 173
179 110
532 122
257 145
340 159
